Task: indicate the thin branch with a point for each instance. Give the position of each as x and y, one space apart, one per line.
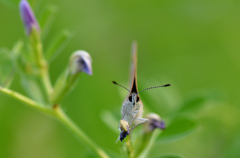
31 103
63 118
57 113
149 144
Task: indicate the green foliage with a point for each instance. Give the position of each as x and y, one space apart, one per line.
171 156
195 102
31 85
110 120
29 61
46 19
57 45
6 71
178 128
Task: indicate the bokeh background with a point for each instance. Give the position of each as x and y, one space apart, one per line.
194 45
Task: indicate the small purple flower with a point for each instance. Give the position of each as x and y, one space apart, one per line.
28 17
80 61
154 121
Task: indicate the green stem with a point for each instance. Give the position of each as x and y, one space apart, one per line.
40 61
63 86
149 145
129 147
63 118
31 103
57 113
46 81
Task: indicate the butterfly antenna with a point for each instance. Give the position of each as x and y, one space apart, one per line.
166 85
120 85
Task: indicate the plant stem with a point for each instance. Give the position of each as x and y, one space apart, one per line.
129 147
63 86
63 118
40 61
149 144
46 81
31 103
57 113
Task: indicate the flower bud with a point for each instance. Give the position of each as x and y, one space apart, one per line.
28 17
80 61
124 128
154 121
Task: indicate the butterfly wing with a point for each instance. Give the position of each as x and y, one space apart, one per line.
128 105
133 75
133 71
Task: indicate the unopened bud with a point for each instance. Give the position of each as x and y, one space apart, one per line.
154 121
80 61
28 17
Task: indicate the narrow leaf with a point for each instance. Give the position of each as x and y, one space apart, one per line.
58 45
179 128
32 89
194 103
46 19
6 71
110 120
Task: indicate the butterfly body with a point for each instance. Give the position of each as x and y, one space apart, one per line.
132 108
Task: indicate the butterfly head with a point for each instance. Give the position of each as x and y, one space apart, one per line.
133 98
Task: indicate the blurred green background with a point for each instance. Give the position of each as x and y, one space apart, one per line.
194 45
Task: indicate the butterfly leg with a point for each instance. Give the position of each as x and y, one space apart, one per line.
139 122
134 114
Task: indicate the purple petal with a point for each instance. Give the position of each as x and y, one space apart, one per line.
81 62
154 121
159 124
87 67
28 16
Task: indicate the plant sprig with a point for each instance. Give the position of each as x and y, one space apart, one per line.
33 66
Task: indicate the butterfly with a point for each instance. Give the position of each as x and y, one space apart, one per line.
132 108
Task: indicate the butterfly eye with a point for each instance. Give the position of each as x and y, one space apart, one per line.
137 98
130 98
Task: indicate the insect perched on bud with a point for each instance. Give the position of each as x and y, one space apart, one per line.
28 17
132 107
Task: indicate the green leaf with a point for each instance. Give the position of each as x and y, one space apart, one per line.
6 68
17 49
171 156
194 103
32 89
58 44
64 84
179 128
46 19
110 120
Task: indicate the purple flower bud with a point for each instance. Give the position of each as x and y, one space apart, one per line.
154 121
156 124
28 16
80 61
